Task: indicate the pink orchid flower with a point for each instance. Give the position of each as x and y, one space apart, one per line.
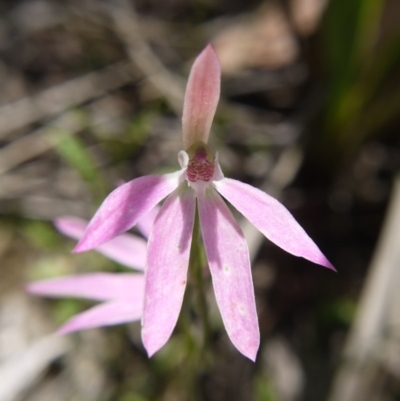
121 294
199 182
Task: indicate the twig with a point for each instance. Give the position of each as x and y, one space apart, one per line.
371 322
55 100
44 208
39 141
139 52
13 185
20 372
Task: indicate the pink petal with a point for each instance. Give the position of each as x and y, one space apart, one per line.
145 224
272 219
126 249
97 286
107 314
124 207
201 97
228 258
71 226
167 264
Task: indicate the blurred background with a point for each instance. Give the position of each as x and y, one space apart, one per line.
91 93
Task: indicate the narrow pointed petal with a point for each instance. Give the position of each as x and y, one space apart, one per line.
201 97
126 249
272 219
124 207
167 264
228 258
96 286
71 226
145 224
107 314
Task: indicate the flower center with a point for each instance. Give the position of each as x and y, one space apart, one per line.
199 167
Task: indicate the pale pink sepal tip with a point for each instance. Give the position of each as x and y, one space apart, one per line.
123 293
107 314
127 249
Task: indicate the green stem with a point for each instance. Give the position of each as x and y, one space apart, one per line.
195 268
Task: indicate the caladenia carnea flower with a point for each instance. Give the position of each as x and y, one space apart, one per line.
199 186
121 294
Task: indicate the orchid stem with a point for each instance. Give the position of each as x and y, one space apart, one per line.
196 270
